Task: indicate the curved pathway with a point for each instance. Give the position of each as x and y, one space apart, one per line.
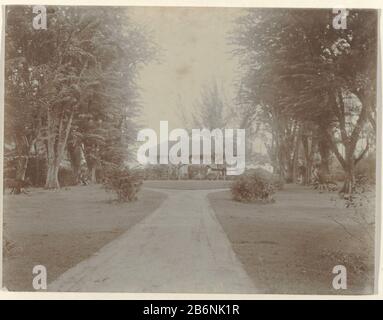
181 248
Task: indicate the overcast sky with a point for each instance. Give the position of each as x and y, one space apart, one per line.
194 51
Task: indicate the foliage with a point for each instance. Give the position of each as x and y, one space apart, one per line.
253 187
305 79
210 109
124 182
156 172
361 193
326 184
74 83
265 175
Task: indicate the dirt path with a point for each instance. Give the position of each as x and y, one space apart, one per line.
181 247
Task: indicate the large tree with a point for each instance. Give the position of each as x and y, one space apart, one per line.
210 109
302 69
81 74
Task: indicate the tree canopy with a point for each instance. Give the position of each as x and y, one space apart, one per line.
303 79
74 81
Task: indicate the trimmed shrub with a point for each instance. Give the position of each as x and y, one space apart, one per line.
253 188
124 182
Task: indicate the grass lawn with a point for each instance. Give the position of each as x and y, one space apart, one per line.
60 229
289 246
292 245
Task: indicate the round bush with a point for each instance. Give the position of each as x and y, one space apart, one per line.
124 182
252 188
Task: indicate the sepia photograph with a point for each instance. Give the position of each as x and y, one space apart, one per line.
206 150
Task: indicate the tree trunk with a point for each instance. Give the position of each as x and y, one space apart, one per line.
324 151
349 141
349 180
307 176
281 161
53 163
93 175
22 168
308 159
74 152
349 170
292 166
290 172
23 151
52 181
295 159
58 132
